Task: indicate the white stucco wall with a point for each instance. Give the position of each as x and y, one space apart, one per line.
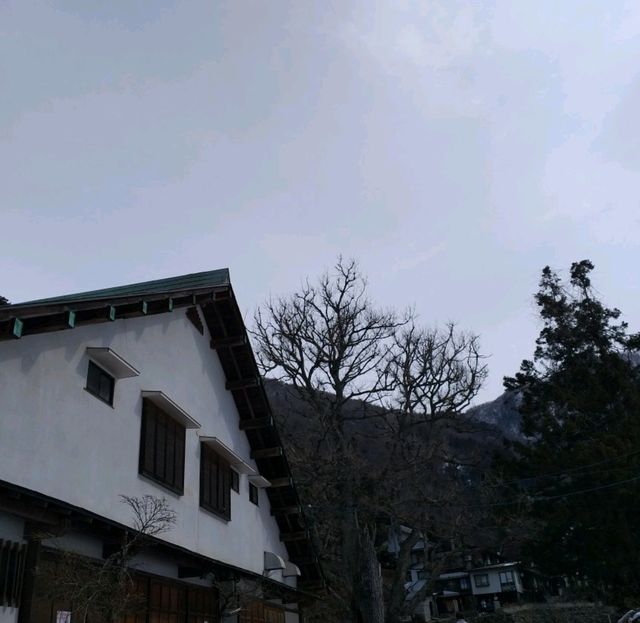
494 582
58 439
148 561
11 527
518 579
8 615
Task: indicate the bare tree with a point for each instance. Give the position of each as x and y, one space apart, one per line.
106 589
376 394
332 346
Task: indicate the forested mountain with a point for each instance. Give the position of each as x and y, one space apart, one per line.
473 438
501 413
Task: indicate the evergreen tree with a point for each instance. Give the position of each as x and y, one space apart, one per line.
578 468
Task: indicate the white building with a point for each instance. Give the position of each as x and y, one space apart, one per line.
496 585
149 389
486 587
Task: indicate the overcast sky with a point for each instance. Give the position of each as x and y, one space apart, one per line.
453 148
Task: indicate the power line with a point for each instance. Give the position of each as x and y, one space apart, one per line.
549 498
546 498
598 488
572 470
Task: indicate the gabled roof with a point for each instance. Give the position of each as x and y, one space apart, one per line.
212 292
194 281
182 283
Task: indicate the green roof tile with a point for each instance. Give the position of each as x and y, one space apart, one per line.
194 281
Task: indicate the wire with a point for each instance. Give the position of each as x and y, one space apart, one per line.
543 498
572 470
598 488
548 498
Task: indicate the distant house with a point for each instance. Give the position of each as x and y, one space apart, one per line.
454 593
468 583
146 389
487 587
497 584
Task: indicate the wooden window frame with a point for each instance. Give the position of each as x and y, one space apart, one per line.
12 562
235 481
215 483
162 448
254 494
93 371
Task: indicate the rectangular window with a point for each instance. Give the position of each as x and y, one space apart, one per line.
480 580
215 482
253 493
464 584
235 481
11 572
162 447
506 579
100 383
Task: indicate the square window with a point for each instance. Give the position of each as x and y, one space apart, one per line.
506 578
100 383
162 447
253 493
480 580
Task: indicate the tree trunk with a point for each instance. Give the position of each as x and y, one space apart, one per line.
363 568
396 599
368 584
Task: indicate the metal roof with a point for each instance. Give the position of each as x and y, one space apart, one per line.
453 575
194 281
499 565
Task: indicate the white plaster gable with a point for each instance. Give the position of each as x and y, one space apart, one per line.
61 441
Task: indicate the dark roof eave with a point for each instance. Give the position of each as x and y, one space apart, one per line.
69 510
